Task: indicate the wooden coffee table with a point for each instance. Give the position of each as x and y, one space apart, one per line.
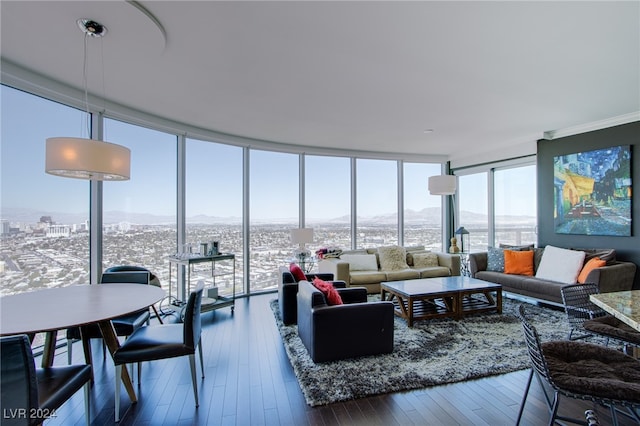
442 297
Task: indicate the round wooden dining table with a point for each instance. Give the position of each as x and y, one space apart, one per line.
59 308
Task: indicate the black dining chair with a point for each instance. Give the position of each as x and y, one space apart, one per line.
30 395
583 371
154 342
124 325
587 318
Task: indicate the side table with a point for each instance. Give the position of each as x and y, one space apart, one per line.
307 264
465 270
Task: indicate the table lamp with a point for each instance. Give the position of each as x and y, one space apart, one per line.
302 236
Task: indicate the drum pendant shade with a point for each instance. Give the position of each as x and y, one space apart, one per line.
87 159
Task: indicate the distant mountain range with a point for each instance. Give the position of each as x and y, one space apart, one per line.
427 216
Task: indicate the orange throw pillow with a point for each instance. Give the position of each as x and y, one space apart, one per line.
592 264
518 262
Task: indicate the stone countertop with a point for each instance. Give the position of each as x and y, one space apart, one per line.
624 305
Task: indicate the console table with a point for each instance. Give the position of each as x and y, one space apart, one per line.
211 300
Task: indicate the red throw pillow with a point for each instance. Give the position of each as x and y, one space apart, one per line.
592 264
297 273
329 291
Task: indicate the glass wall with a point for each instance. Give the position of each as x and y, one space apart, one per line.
377 203
422 211
45 234
498 205
274 201
45 219
139 215
515 205
473 210
214 208
328 201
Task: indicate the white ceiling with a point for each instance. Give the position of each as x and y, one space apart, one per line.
488 77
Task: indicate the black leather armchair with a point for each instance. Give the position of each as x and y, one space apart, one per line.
30 394
288 289
355 328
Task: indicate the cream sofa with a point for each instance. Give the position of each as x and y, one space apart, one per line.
369 267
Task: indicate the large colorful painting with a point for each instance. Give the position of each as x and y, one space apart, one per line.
592 192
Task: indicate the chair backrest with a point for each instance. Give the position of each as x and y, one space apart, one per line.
286 276
532 340
153 279
135 277
192 322
19 384
577 306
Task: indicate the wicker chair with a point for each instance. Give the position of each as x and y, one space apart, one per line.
584 371
585 316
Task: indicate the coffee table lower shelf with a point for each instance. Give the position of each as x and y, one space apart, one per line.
452 297
412 309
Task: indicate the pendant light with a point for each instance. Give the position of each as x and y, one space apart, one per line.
81 158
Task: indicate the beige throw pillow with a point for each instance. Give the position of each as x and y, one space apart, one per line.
392 258
361 262
425 260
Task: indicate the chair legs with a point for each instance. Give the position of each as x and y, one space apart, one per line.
554 408
117 396
524 397
192 365
69 350
201 359
87 403
552 404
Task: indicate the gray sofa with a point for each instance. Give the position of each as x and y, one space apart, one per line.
614 276
342 268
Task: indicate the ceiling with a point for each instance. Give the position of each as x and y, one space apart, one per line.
489 78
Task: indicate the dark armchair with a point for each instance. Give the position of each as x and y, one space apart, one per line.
288 289
355 328
30 394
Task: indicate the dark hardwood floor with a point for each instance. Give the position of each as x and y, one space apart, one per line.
249 381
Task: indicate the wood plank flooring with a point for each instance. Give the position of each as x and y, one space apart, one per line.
249 381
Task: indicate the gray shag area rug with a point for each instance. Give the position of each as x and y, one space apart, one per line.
433 352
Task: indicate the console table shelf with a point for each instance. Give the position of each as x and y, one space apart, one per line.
210 299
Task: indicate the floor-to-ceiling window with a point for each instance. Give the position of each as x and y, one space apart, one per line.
515 205
422 211
139 215
45 218
497 204
473 210
377 203
214 208
328 200
274 201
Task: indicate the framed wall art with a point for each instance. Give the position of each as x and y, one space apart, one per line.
593 192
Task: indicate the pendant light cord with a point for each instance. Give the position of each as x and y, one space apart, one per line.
85 66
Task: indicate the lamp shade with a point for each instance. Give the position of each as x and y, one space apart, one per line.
442 185
87 159
302 236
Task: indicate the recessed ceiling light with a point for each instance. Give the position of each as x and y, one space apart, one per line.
428 131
